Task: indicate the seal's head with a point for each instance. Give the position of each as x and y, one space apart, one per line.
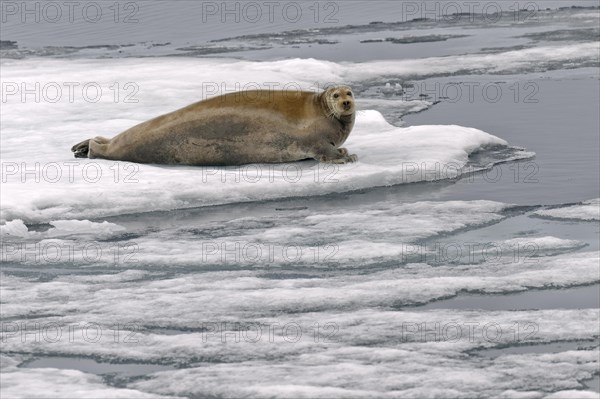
339 101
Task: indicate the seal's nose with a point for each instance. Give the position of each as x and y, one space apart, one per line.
346 105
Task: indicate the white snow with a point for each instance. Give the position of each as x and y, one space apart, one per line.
588 210
49 382
537 246
63 228
572 394
14 228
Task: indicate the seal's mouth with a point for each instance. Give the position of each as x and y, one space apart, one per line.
346 108
337 111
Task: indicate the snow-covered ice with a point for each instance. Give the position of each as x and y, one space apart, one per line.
587 210
44 183
63 228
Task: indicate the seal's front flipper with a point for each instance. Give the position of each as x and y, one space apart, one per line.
337 156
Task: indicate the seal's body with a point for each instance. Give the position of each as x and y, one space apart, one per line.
261 126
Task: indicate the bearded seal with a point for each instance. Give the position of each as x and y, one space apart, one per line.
258 126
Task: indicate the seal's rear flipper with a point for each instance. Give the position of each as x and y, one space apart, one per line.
86 150
80 150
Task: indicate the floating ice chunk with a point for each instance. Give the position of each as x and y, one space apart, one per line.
58 185
40 383
543 244
587 15
128 275
14 228
587 210
572 394
63 228
83 227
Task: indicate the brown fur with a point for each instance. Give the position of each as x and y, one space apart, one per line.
238 128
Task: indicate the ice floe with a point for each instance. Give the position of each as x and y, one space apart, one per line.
587 210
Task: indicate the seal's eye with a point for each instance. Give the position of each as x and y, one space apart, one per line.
336 95
349 93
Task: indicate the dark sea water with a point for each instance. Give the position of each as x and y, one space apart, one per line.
561 126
